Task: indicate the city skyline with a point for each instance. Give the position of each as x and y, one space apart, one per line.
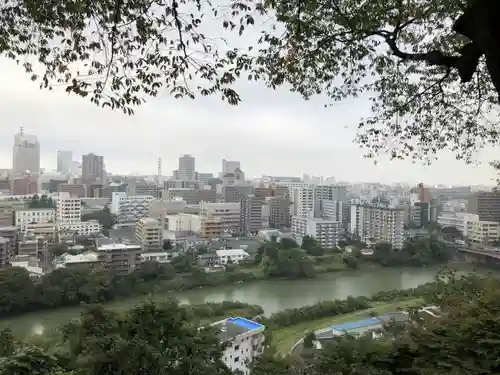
272 133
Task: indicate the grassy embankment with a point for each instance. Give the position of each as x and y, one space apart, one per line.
285 338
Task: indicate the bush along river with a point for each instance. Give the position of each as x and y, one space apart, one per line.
272 295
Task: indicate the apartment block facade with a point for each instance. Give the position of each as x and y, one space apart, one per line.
378 224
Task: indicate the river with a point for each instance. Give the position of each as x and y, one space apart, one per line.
272 295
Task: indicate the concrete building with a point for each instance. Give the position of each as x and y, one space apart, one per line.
129 209
486 204
34 216
234 193
68 209
149 234
181 184
83 260
471 227
245 341
81 228
229 166
74 190
5 248
7 209
233 256
11 233
420 214
330 192
146 189
325 232
64 162
303 200
280 212
192 196
335 210
121 258
229 213
250 214
207 227
25 185
378 224
235 178
26 155
186 170
92 168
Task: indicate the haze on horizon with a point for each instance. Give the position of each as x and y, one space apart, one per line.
270 132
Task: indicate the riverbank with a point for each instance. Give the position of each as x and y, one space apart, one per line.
285 338
272 295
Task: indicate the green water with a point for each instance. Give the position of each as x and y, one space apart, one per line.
272 295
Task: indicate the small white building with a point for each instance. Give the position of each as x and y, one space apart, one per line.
83 259
233 255
82 228
160 256
245 340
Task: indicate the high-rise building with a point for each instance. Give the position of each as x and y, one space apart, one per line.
186 170
229 166
92 168
64 161
378 224
26 155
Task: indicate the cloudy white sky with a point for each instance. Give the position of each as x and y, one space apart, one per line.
271 132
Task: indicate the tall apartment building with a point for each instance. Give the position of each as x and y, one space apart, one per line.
129 209
64 162
68 209
235 178
26 155
250 214
326 232
92 168
486 204
229 214
279 212
303 201
330 192
378 224
149 234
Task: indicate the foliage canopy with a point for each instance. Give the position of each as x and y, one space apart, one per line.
431 68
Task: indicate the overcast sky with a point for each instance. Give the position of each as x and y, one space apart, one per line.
271 132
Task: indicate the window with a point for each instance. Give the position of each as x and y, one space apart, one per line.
236 347
236 359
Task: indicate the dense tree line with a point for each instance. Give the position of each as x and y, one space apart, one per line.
164 339
42 201
415 252
20 293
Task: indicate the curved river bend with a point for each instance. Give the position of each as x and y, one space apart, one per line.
272 295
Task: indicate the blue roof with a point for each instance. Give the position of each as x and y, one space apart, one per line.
355 325
245 323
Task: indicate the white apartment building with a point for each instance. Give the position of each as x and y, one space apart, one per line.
303 201
68 209
130 208
228 212
326 232
378 224
245 339
34 216
475 230
149 234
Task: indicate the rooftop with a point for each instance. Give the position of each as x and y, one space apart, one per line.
232 327
356 325
117 246
231 252
87 257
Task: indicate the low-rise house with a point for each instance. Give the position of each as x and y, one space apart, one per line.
232 255
87 259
